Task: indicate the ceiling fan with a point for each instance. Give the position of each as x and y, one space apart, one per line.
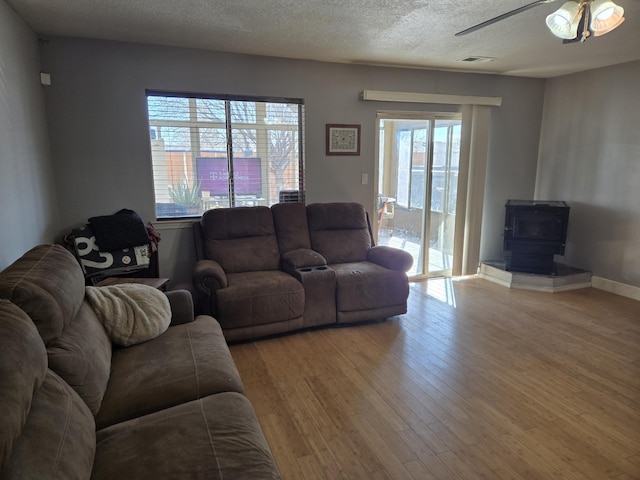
574 21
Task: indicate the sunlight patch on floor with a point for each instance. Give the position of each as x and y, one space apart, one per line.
439 288
438 260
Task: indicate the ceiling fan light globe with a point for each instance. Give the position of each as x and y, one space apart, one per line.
605 16
563 23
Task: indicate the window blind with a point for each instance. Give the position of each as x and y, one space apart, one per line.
223 151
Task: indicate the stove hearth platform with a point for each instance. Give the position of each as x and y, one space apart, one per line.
564 278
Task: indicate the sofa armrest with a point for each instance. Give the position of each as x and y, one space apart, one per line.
208 276
301 258
391 258
181 303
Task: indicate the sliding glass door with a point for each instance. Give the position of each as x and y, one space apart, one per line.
417 187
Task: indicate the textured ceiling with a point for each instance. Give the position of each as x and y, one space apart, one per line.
409 33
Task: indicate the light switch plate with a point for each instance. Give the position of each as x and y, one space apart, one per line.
45 79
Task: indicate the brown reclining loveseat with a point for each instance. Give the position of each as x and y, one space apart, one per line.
262 271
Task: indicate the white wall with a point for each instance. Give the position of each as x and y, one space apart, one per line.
97 115
28 212
590 157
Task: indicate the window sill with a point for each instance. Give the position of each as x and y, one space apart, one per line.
175 224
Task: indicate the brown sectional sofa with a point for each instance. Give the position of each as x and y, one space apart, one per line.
76 407
263 271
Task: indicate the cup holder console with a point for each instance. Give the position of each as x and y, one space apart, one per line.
313 269
320 289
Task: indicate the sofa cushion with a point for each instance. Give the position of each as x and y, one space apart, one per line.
292 230
23 365
186 362
367 286
241 239
257 298
81 355
339 231
58 439
47 283
217 437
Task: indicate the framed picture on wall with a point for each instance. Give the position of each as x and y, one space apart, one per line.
343 139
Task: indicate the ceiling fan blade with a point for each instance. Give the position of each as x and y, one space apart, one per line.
503 16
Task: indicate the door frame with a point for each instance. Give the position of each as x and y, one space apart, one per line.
427 116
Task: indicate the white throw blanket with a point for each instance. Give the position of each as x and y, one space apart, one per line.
131 312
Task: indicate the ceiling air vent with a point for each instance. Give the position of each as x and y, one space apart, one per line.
475 59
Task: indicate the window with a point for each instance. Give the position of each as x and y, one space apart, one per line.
412 154
213 151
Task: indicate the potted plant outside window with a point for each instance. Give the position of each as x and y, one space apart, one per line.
186 195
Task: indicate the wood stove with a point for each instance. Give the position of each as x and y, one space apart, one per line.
534 231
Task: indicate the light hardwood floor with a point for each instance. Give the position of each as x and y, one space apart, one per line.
475 381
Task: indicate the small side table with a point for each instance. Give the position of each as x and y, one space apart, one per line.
159 283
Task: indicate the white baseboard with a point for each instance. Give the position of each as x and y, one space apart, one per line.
616 287
495 279
567 279
562 288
